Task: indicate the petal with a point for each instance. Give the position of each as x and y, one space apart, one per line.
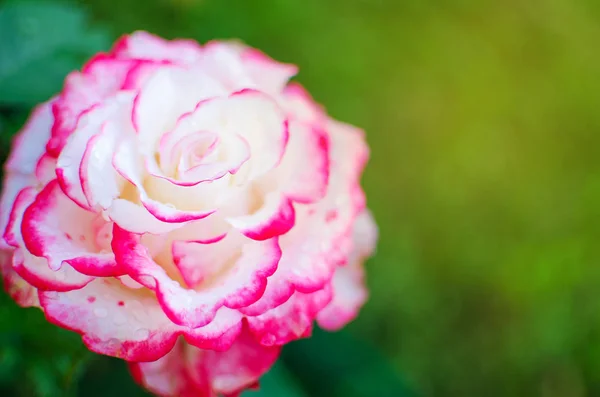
291 320
99 181
13 184
28 145
129 323
301 106
275 217
57 229
113 320
169 93
125 161
145 46
100 78
322 234
187 371
349 295
258 119
305 181
242 282
33 269
90 124
270 76
349 292
18 289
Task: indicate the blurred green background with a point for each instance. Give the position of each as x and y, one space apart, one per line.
483 122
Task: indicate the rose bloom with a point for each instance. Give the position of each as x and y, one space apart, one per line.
186 209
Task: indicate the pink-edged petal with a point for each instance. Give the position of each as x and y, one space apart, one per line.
99 181
291 320
267 135
145 46
305 181
113 320
100 78
187 371
90 124
321 237
349 294
13 184
125 161
275 217
33 269
45 169
241 282
57 229
349 291
223 62
36 272
137 219
301 106
18 289
28 145
169 93
269 75
199 261
128 323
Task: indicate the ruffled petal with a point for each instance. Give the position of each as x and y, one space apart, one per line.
35 270
73 156
128 323
145 46
25 153
271 76
100 78
275 217
57 229
190 372
18 289
349 291
291 320
242 281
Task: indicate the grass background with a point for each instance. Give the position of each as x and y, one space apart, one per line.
483 120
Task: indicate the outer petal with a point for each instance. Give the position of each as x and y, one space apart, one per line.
33 269
55 228
241 282
271 76
18 289
13 184
291 320
322 235
100 78
349 292
112 319
187 371
28 145
145 46
128 323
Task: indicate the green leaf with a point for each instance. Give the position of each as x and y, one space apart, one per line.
338 364
39 44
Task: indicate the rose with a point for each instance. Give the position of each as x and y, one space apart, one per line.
173 190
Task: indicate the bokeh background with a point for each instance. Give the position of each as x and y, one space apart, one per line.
483 119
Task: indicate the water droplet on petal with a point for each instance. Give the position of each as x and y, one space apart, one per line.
119 319
100 312
141 334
